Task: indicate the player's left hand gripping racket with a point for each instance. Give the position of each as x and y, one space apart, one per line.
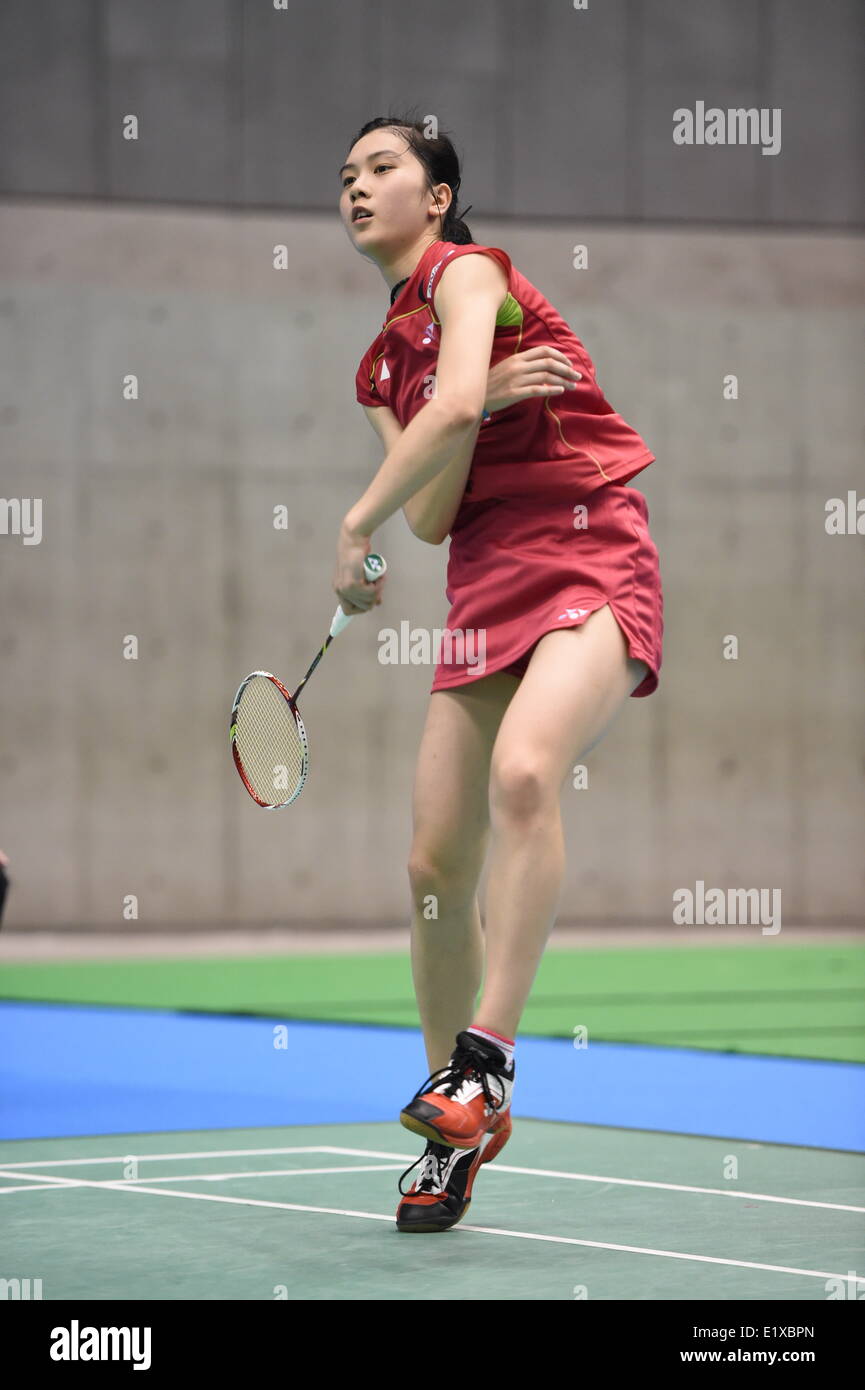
268 740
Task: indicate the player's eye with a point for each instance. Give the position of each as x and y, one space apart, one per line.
347 180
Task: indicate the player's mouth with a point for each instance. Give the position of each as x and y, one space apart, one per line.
360 215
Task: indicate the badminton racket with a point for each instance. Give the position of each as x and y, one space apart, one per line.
268 738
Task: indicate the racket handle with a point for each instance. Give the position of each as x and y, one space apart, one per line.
374 567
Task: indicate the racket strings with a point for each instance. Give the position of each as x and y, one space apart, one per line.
269 743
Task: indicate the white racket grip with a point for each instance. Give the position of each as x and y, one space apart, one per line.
374 567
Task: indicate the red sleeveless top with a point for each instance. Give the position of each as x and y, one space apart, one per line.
566 444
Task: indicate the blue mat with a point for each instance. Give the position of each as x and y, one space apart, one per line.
74 1071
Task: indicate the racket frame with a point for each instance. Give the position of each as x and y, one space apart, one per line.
304 771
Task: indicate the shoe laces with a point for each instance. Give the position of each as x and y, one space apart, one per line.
466 1063
433 1161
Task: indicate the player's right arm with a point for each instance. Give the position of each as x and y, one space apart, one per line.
431 511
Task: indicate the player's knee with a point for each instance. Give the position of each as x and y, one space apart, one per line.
520 789
441 870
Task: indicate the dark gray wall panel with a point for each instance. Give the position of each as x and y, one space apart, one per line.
174 67
557 112
49 96
310 79
572 101
188 29
460 72
692 53
817 77
188 146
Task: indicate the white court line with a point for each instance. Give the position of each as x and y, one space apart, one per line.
122 1186
41 1185
626 1182
165 1158
376 1153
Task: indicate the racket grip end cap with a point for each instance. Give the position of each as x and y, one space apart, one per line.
374 566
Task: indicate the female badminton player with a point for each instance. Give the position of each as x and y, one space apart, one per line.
495 433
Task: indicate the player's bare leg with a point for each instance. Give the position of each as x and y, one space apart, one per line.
451 834
577 680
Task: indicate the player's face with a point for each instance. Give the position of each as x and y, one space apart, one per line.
387 178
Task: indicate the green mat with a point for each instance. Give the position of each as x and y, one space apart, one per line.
794 1001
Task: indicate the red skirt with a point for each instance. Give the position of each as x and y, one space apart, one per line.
520 567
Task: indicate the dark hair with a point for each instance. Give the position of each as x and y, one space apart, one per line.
442 165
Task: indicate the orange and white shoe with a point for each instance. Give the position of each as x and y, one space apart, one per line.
441 1195
471 1092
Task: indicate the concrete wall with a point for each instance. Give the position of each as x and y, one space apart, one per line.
157 521
558 111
